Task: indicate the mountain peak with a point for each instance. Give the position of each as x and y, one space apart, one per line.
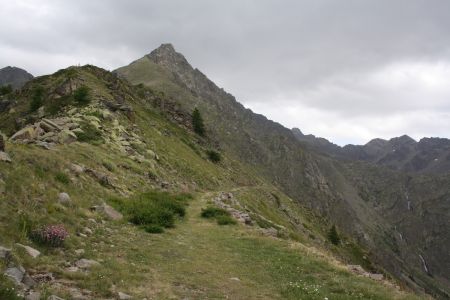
167 55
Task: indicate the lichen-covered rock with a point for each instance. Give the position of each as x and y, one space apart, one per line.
64 199
26 133
29 250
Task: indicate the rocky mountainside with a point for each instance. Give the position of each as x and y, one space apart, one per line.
334 190
429 155
14 76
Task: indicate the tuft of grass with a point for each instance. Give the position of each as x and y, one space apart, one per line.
62 177
7 290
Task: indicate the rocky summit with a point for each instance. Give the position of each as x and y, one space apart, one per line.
151 182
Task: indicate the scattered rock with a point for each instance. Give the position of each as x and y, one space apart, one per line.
72 269
26 133
31 251
64 199
53 297
77 169
28 281
87 231
123 296
79 251
376 276
103 179
4 157
110 212
269 231
43 277
5 253
33 295
86 263
235 279
16 274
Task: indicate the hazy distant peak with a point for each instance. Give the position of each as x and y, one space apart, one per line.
14 76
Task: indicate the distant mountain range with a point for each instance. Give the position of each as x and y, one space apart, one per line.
14 76
429 155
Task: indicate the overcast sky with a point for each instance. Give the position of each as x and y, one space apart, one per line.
346 70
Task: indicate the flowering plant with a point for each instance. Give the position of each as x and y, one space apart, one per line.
52 235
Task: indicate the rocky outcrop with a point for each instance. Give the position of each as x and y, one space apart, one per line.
48 132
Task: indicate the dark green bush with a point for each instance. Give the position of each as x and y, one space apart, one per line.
153 208
213 212
225 220
333 236
214 156
197 122
81 95
62 177
153 229
37 99
5 90
90 134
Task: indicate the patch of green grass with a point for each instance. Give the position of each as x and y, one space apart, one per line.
109 166
62 177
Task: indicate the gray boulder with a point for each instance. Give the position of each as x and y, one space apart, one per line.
4 157
64 199
16 274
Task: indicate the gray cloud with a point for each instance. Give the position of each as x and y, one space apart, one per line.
349 71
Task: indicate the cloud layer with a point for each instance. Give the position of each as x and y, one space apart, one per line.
345 70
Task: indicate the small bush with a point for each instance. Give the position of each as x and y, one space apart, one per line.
81 95
222 216
197 122
5 90
62 177
50 235
213 212
153 208
225 220
214 156
333 236
90 134
153 229
37 99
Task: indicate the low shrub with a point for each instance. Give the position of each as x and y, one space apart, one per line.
5 89
153 209
214 156
50 235
62 177
81 95
153 229
213 212
222 216
37 99
225 220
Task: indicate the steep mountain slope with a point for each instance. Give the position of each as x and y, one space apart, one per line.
84 139
429 155
326 186
14 76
